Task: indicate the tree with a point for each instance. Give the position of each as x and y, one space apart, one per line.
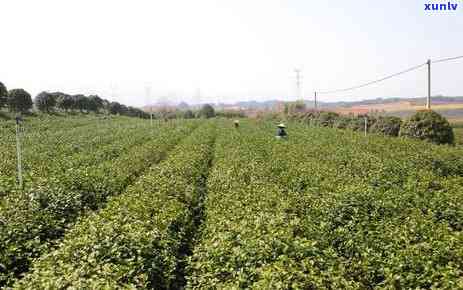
188 114
19 100
114 108
124 110
63 101
94 103
80 103
428 125
106 106
45 102
3 95
207 111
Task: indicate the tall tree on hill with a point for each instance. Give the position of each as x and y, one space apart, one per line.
3 95
19 100
45 102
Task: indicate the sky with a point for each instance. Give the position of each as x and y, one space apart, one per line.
144 51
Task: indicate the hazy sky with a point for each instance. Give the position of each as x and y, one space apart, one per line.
229 49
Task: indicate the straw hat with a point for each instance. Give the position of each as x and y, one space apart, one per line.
281 125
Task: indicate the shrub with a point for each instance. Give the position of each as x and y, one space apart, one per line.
389 126
342 122
327 119
428 125
207 111
357 123
19 100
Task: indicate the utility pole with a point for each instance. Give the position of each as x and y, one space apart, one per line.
428 100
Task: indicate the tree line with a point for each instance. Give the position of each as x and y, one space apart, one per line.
20 101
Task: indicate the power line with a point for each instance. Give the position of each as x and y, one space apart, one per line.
373 82
447 59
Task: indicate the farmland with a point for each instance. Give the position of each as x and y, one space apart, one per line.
120 203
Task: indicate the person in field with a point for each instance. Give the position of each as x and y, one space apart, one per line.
236 123
281 133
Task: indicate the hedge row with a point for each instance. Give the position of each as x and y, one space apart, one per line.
424 125
330 210
30 227
48 153
138 239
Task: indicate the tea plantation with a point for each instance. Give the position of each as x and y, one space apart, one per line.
198 204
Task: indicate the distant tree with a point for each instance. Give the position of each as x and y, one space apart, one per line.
106 106
3 95
207 111
63 101
94 103
115 108
188 114
80 103
124 110
133 112
428 125
45 102
19 100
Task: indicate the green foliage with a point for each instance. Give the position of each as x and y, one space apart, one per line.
3 95
45 102
230 114
430 126
63 101
327 210
207 111
342 122
229 209
137 240
388 126
327 119
19 100
78 184
115 108
95 103
188 114
357 123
